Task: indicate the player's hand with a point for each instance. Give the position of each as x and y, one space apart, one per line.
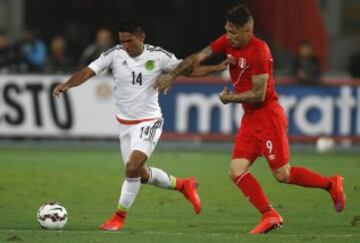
222 66
225 95
231 60
60 88
164 82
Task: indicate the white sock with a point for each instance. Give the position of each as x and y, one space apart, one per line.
129 190
160 178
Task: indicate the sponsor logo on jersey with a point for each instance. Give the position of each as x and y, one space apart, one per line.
149 65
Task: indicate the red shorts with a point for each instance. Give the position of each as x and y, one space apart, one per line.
263 132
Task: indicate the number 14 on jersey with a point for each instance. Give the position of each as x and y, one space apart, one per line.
136 79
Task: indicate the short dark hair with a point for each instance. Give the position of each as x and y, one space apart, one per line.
131 25
239 15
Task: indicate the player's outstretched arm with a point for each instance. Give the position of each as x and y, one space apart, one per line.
204 70
255 95
75 80
184 68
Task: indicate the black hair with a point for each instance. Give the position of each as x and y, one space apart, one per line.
131 25
239 15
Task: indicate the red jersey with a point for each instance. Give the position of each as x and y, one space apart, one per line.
253 59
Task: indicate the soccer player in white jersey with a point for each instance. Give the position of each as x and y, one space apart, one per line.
135 67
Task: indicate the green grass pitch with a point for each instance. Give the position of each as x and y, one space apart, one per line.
87 183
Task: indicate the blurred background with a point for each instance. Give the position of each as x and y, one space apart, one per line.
315 45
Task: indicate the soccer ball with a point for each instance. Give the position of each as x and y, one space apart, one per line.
52 215
324 145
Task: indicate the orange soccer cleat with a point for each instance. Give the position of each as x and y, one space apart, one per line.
191 194
116 222
337 192
270 220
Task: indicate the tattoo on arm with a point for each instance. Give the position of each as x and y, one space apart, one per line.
186 66
256 94
259 86
188 71
206 52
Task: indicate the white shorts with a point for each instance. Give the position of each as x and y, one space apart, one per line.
142 137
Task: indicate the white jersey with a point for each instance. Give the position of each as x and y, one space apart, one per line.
135 96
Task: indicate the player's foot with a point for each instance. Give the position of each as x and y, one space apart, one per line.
116 222
191 194
337 192
269 221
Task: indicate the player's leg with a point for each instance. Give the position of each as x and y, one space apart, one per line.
161 179
247 183
245 152
130 186
275 148
301 176
129 190
148 134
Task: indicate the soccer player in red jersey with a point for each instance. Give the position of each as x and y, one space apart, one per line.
264 124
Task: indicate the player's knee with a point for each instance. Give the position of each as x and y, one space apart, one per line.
282 174
231 173
234 172
282 177
238 167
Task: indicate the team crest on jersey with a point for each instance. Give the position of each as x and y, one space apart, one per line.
242 62
150 65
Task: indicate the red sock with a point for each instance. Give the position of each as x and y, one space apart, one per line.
179 185
304 177
253 191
